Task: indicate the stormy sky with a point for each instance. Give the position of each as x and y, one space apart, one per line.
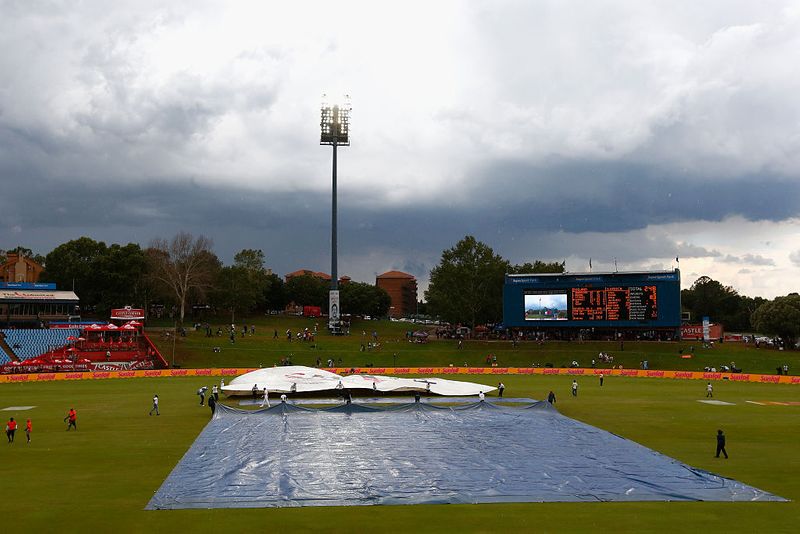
634 132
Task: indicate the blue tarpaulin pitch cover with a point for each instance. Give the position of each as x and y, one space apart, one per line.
422 454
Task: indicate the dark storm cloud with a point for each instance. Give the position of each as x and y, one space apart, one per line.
517 221
600 196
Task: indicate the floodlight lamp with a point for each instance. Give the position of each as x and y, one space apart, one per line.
335 122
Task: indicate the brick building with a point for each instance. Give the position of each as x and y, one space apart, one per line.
20 269
402 288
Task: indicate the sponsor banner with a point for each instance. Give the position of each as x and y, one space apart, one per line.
691 331
127 313
543 371
46 295
333 307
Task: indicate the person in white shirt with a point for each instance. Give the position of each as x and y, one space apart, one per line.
155 405
481 396
574 388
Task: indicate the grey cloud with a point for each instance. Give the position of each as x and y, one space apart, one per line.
751 259
794 257
604 196
687 250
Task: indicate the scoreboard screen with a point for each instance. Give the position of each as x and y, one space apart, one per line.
605 299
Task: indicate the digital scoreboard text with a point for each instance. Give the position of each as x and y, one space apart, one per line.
634 303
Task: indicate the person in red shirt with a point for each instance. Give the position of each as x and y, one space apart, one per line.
11 429
28 430
72 416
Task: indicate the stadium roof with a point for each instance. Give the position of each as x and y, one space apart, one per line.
593 273
395 274
22 295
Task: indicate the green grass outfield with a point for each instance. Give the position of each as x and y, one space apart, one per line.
100 478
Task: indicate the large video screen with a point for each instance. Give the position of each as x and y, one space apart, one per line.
546 306
635 299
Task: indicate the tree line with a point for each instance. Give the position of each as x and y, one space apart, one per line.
184 271
466 287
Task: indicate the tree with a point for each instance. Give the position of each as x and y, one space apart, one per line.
723 304
467 285
779 317
538 267
250 259
308 290
235 290
242 286
365 299
103 277
183 265
275 296
71 266
120 273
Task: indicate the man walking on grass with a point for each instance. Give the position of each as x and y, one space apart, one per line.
155 405
11 429
721 444
72 418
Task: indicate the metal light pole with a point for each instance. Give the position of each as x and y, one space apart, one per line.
334 131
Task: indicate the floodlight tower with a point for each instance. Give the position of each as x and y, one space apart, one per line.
334 131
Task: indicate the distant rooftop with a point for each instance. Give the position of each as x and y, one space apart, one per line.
396 274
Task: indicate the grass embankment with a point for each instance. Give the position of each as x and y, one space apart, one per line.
100 478
264 350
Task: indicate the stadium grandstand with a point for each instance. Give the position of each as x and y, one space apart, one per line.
27 304
85 348
30 343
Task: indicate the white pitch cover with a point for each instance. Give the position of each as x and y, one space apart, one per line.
301 379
